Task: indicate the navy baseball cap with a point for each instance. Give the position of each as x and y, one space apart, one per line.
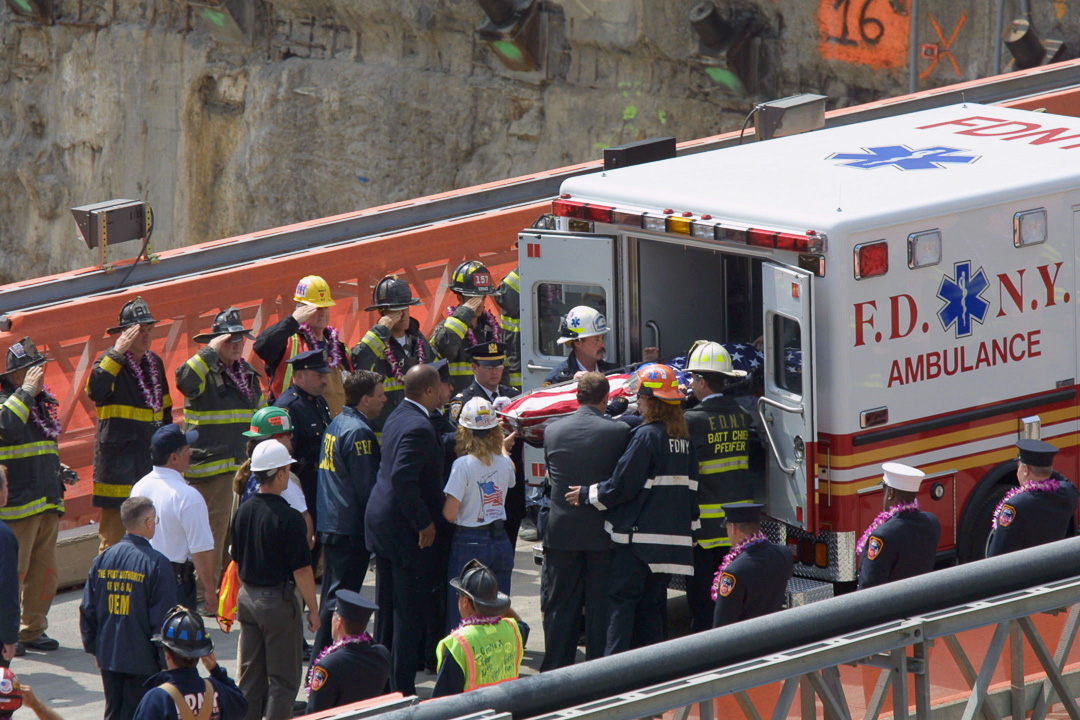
170 438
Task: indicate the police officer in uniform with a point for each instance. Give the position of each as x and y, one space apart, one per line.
308 328
29 428
488 367
394 344
902 541
1040 509
752 579
9 583
468 323
355 669
720 430
179 693
131 394
310 416
129 590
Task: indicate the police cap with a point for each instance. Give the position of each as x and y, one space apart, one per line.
743 512
309 360
1036 453
443 366
490 354
353 606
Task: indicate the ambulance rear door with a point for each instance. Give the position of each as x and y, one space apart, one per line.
559 271
786 406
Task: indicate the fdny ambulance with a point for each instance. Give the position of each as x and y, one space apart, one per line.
912 280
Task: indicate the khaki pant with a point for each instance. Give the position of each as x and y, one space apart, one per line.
37 571
270 652
218 493
110 528
334 394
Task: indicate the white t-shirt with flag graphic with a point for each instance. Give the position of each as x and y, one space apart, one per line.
480 488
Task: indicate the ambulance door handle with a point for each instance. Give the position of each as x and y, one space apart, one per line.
766 422
537 368
656 332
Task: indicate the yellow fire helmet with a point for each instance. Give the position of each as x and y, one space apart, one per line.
708 356
313 290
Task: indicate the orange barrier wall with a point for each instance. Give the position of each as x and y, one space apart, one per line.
73 333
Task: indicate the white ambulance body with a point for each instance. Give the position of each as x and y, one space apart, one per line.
913 279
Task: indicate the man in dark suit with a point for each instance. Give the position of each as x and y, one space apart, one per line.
580 449
405 526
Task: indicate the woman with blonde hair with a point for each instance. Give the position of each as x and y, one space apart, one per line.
476 499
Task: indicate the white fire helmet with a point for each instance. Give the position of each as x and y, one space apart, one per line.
582 322
477 414
707 356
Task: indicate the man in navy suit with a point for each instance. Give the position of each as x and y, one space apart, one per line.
405 526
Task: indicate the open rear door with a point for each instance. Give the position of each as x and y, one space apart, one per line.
558 272
786 408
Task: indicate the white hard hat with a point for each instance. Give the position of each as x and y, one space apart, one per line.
477 414
270 455
902 477
582 322
707 356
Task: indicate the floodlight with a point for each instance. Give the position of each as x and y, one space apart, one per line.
789 116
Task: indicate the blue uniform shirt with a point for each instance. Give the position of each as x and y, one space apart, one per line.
9 586
157 704
128 590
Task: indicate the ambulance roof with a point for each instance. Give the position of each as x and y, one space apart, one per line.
877 173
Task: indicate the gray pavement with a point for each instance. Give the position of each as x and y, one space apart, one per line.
68 681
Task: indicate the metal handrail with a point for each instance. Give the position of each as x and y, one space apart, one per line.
762 401
898 614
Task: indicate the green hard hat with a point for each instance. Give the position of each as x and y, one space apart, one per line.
270 421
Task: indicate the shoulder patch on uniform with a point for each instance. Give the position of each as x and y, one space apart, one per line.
318 678
727 584
1006 516
455 409
873 547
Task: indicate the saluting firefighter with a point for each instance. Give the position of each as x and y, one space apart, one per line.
902 541
221 392
354 668
651 504
488 368
131 394
29 427
467 323
1039 510
308 328
720 431
392 345
508 297
752 579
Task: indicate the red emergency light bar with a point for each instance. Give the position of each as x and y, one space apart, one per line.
683 224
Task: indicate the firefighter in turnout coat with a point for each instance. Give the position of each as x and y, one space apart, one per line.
652 511
468 323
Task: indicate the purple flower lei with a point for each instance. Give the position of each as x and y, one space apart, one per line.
337 645
730 558
152 394
397 365
479 620
489 319
332 343
880 520
48 423
240 375
1048 485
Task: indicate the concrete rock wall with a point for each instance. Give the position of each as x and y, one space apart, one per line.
315 107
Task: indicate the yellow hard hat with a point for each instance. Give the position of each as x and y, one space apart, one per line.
314 291
706 356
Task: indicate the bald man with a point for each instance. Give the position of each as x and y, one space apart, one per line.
405 527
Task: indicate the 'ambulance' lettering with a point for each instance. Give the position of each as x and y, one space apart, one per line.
935 364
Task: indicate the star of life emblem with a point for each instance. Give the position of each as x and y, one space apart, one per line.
963 299
902 157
